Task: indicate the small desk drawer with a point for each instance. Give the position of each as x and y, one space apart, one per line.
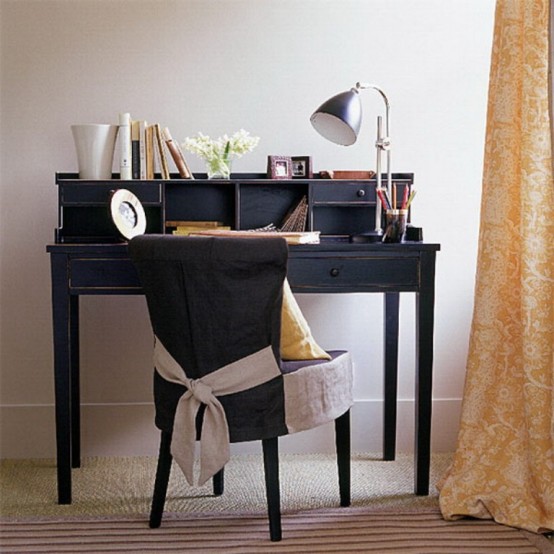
353 274
83 194
343 192
102 273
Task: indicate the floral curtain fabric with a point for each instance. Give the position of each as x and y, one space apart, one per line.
504 464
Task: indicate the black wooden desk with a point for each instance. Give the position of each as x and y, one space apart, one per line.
331 267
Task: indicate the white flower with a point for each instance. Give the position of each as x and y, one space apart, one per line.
222 148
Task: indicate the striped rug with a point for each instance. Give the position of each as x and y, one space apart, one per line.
332 530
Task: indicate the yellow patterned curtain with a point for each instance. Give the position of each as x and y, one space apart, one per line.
503 467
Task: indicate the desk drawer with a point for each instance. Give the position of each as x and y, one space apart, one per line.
353 274
101 273
343 192
83 194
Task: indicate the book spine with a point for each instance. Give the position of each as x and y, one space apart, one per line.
142 148
135 149
164 170
149 152
181 223
125 164
176 154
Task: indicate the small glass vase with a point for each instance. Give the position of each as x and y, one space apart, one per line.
219 168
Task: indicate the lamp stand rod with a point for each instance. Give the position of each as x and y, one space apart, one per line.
383 143
378 205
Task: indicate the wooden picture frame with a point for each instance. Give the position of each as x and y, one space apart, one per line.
279 167
302 167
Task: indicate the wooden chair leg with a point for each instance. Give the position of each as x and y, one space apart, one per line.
218 482
271 467
342 442
162 480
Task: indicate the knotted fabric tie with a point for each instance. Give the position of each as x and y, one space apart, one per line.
243 374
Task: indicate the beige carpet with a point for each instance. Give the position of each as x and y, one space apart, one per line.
105 486
112 499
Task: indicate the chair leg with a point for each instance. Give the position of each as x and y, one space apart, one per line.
342 442
162 480
271 467
218 481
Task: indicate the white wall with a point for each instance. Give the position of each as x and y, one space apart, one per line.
216 66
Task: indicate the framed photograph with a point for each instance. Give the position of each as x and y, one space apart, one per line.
279 167
302 167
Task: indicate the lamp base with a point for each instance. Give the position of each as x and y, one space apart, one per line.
368 236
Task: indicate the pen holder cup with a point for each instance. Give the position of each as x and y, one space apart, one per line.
395 225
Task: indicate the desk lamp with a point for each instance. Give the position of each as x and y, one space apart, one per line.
339 120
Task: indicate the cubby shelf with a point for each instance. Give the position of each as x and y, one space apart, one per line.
337 208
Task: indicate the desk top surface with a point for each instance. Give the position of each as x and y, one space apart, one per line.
323 246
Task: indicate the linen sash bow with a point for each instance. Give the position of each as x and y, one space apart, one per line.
243 374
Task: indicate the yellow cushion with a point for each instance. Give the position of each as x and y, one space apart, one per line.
297 342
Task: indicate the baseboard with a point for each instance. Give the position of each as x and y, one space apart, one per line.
128 430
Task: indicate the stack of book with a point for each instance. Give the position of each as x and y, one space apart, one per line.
149 147
306 237
190 227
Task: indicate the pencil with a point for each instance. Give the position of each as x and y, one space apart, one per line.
410 198
405 196
383 197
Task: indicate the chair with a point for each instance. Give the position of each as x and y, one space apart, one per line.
215 308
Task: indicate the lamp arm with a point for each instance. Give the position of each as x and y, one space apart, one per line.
383 143
361 86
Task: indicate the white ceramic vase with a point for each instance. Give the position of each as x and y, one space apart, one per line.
95 144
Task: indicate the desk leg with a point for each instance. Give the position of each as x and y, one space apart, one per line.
61 316
75 382
425 303
392 305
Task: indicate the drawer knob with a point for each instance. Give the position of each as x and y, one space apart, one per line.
361 193
335 272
